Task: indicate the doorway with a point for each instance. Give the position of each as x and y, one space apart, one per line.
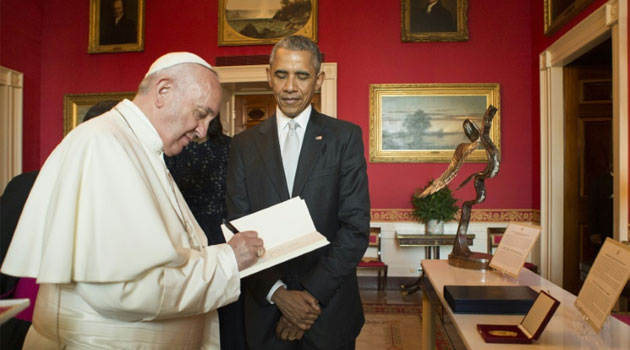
588 179
252 80
251 110
604 23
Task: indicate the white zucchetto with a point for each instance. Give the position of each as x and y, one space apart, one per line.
174 58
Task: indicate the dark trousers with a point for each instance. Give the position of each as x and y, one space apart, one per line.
232 326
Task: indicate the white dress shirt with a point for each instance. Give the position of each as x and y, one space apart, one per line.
283 129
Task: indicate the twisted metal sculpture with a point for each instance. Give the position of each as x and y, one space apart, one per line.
461 255
462 152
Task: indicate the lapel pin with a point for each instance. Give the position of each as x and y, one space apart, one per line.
318 138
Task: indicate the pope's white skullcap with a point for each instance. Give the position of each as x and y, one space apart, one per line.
174 58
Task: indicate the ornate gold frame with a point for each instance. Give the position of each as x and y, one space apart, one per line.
553 23
229 37
490 91
460 35
94 35
75 106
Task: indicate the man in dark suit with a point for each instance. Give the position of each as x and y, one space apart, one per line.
431 17
310 302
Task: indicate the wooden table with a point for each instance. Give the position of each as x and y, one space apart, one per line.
566 330
431 244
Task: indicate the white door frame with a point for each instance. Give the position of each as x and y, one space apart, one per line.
231 76
608 21
11 91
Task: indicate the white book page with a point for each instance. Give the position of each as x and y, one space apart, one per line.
286 229
604 283
516 243
12 307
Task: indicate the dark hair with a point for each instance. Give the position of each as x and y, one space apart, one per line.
298 43
215 130
99 109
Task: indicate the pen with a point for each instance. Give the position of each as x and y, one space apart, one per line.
259 252
230 227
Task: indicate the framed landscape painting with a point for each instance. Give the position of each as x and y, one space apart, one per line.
434 20
76 105
116 26
423 122
255 22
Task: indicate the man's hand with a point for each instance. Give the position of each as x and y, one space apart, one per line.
287 330
299 307
245 245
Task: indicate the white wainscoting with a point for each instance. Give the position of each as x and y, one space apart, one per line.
405 261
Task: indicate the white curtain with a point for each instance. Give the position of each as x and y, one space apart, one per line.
11 83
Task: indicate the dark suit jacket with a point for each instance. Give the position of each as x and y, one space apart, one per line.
12 332
331 177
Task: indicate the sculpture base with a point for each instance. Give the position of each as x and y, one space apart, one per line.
474 261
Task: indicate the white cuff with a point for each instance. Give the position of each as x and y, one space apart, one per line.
273 289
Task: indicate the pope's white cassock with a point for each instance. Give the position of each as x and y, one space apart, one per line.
120 259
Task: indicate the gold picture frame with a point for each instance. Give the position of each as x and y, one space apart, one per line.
76 105
260 25
559 12
446 21
108 34
423 122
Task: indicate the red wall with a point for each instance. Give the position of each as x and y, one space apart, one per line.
362 37
21 50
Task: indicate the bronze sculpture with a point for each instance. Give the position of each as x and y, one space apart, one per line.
461 255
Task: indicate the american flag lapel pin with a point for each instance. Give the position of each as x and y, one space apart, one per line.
318 138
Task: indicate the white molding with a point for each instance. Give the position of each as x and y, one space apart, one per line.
10 124
242 74
231 75
620 117
610 20
583 37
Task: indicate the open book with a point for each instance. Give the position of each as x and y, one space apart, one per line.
286 229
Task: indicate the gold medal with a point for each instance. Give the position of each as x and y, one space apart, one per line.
503 333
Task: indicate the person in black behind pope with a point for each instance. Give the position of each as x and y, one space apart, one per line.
312 301
199 172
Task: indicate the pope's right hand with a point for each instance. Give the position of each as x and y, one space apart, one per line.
245 245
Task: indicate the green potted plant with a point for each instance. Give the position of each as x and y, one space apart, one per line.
434 209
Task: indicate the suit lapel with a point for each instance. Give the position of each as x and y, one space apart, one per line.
312 145
269 150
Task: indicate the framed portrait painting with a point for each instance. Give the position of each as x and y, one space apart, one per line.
424 122
116 26
76 105
255 22
434 20
559 12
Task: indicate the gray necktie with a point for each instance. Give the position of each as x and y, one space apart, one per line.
291 154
